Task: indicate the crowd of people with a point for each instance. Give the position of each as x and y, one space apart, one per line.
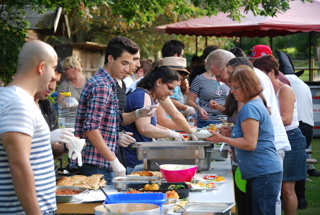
132 100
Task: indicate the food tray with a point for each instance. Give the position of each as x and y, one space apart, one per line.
208 209
173 152
121 182
183 193
69 198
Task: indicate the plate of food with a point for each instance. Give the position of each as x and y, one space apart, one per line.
200 186
214 178
200 133
181 189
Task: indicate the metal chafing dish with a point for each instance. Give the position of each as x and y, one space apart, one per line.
171 152
208 209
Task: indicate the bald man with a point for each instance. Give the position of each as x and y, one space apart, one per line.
26 166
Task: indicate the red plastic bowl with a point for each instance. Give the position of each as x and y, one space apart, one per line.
178 173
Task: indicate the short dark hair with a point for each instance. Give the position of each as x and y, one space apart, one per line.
208 50
59 68
164 73
238 52
172 47
234 62
118 45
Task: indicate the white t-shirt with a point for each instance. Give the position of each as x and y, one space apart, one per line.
280 134
128 81
304 99
19 113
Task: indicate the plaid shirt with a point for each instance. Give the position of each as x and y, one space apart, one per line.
98 109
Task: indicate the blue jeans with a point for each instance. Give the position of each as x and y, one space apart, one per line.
89 169
49 213
262 193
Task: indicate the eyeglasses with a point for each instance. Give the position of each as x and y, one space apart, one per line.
220 74
169 87
234 88
66 69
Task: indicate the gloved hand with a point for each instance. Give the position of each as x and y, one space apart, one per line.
147 111
175 136
190 111
75 146
192 137
61 135
125 139
117 168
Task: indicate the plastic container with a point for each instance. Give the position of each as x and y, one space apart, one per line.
151 198
128 208
67 109
178 173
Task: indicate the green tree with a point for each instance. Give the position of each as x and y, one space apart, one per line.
135 14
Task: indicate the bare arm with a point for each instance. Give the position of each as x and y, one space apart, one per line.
18 148
286 103
145 128
98 142
57 150
164 121
128 118
179 105
191 100
175 115
250 128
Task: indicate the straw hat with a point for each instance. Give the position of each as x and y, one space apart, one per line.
176 63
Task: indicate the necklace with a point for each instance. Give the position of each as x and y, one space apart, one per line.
216 83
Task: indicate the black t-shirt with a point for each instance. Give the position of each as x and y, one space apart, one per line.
49 113
121 94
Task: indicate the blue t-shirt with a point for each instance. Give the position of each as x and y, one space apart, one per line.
264 159
135 100
177 94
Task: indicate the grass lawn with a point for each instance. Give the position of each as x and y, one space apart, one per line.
313 186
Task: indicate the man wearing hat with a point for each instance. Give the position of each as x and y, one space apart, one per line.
262 50
179 64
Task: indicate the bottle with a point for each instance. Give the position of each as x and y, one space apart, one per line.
67 110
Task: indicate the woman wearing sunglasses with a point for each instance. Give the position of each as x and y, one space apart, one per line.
154 87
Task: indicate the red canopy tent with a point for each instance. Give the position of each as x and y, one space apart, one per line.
301 17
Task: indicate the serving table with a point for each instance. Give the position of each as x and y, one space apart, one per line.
224 192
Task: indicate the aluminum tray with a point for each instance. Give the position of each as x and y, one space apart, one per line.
121 182
173 152
208 209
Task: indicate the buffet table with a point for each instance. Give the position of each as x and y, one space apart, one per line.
224 193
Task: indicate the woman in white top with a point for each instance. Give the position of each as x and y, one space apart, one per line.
294 163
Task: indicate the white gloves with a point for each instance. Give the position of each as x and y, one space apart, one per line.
193 137
175 136
147 111
117 168
125 139
75 146
61 135
190 111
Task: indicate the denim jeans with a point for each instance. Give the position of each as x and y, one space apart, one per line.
49 213
89 169
262 193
